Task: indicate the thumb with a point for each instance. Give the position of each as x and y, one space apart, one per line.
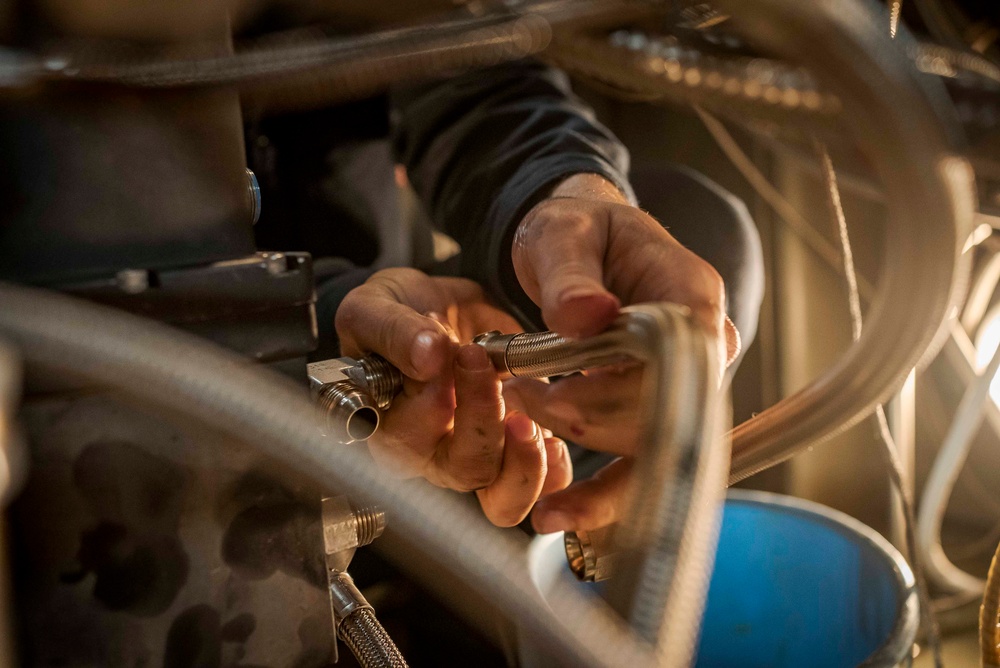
369 321
558 257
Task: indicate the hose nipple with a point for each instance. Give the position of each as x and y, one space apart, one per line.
496 345
370 524
351 414
379 377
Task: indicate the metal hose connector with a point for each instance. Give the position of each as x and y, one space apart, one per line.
356 625
369 642
351 414
381 379
370 524
545 354
989 617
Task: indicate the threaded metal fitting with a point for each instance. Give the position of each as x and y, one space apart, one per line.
351 414
370 522
382 380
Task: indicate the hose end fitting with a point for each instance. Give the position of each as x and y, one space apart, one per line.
495 345
351 414
353 393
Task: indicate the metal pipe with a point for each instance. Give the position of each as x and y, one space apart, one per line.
887 105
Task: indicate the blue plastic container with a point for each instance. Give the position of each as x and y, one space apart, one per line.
798 584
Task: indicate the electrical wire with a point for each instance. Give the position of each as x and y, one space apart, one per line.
889 451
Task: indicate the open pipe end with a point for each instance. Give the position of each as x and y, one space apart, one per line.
351 413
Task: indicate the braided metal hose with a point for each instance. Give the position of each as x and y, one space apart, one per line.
989 617
369 642
652 68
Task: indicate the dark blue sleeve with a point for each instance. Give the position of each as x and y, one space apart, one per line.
483 148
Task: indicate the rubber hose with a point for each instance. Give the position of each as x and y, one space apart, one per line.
175 370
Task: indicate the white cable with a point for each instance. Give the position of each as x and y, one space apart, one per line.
941 481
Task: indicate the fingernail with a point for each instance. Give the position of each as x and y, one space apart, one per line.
521 427
473 358
422 354
550 521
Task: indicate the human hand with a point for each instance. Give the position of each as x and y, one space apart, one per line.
449 424
580 254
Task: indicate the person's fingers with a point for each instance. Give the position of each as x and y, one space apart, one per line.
471 458
509 499
409 433
558 256
587 504
372 320
559 472
590 410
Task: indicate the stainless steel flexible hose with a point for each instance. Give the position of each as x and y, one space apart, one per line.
903 122
369 642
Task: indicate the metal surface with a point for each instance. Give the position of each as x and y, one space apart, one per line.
351 414
253 193
216 300
110 180
152 537
544 354
344 530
